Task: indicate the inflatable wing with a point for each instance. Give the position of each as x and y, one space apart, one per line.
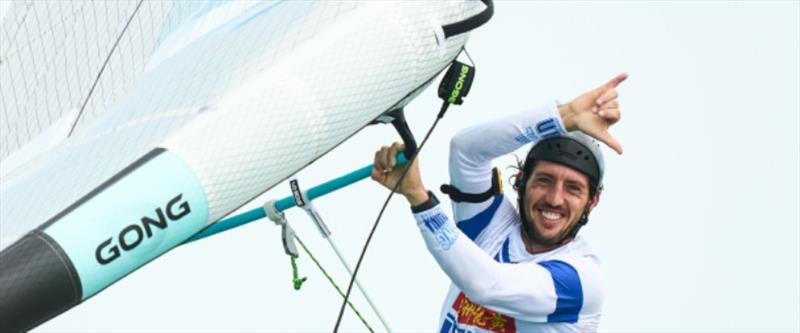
129 127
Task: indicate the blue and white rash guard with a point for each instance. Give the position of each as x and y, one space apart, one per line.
497 285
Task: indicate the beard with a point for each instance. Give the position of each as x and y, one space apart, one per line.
536 236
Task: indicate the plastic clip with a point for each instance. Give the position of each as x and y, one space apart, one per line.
301 200
287 233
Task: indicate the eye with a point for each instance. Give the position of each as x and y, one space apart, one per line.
542 180
575 189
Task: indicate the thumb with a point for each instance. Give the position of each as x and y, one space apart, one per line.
610 141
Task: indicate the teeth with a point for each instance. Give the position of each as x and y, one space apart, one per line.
551 215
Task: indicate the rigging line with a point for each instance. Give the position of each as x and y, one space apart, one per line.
378 219
358 284
330 279
103 68
464 48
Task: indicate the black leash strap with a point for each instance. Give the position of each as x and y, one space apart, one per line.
458 196
468 24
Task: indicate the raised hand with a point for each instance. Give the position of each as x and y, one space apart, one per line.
387 173
595 111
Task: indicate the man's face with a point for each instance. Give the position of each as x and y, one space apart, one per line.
555 199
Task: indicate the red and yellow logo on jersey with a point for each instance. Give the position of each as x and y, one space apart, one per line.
475 315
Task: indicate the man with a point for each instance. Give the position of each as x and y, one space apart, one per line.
518 268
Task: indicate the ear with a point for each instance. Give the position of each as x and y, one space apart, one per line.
595 200
518 181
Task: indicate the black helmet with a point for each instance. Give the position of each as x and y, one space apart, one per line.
575 150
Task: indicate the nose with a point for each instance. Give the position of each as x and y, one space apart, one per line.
555 195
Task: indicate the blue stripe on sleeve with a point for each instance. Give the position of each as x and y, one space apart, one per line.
474 225
503 255
568 290
504 251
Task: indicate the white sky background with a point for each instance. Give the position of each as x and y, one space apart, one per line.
698 227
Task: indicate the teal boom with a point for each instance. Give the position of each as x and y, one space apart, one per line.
288 202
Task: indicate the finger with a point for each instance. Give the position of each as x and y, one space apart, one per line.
610 110
376 160
380 158
607 96
396 148
376 174
610 85
612 104
613 83
610 115
389 157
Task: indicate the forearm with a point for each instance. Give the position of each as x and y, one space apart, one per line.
519 290
567 114
473 149
417 196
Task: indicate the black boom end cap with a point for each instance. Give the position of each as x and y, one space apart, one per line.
37 282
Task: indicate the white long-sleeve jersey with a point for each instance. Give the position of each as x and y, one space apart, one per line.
497 285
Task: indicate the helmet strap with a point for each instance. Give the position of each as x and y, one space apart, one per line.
582 222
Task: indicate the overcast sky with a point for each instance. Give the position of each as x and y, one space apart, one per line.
698 228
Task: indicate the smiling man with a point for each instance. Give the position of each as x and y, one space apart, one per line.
523 268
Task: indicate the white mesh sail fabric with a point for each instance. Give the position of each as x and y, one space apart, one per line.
51 53
245 93
302 106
